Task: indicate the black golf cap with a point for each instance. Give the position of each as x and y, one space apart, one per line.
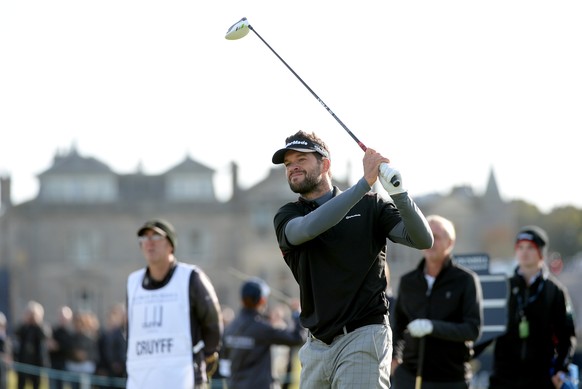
536 235
255 289
162 227
302 145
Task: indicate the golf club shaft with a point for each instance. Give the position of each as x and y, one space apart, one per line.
395 181
420 363
362 146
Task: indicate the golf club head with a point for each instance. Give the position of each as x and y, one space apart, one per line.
238 30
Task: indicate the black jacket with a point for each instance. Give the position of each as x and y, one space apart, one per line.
62 336
247 345
454 307
31 345
529 362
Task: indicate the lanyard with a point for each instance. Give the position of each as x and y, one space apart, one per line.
521 304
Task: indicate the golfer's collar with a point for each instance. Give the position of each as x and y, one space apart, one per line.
321 199
325 198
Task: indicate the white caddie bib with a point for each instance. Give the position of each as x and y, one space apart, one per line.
159 352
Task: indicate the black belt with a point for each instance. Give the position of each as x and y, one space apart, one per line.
354 325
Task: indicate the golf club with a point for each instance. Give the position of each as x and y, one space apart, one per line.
420 363
241 28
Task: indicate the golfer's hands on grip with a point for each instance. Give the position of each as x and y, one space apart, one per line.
420 327
388 177
372 160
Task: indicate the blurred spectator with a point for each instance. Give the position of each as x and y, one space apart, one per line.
540 338
58 345
249 337
228 315
112 344
438 315
31 343
83 353
5 352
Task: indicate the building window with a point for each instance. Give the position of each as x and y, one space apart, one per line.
198 246
262 220
188 187
76 189
83 248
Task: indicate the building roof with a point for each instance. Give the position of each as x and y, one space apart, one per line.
73 162
188 165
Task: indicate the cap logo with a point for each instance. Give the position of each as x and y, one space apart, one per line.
526 236
308 144
302 145
297 142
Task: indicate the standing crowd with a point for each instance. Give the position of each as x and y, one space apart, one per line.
172 332
76 346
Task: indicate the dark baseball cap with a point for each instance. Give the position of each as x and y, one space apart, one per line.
533 234
255 289
162 227
303 145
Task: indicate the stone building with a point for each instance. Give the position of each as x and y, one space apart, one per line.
75 242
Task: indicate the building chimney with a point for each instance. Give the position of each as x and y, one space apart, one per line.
5 192
235 185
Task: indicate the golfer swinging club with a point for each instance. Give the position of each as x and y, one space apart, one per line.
334 242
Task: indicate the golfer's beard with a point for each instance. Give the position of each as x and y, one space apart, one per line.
309 183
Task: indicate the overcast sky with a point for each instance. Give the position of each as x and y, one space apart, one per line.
447 89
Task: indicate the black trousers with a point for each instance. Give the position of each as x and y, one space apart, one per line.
403 379
23 377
